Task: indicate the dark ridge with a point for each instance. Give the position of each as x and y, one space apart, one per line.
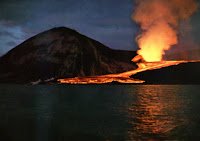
181 74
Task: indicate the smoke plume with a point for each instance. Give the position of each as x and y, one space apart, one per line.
159 20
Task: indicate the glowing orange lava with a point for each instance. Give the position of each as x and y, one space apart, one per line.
122 77
99 80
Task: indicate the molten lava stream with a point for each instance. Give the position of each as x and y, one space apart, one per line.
149 66
123 77
99 80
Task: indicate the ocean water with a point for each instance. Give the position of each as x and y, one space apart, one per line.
99 112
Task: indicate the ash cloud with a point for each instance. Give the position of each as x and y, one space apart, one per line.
159 21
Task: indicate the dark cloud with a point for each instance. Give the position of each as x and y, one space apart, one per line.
5 33
11 43
10 36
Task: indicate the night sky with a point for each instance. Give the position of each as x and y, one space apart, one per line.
107 21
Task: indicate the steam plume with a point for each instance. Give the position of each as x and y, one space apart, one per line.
159 20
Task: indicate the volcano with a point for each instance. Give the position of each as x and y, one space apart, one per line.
66 56
62 53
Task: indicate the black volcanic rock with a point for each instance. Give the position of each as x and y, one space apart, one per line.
188 73
61 53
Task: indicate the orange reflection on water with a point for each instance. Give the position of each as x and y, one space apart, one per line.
155 112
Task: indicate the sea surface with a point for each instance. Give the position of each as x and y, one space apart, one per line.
99 112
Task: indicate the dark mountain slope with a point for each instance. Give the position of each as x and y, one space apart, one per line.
181 74
61 53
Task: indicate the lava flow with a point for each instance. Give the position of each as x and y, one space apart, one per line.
125 76
99 80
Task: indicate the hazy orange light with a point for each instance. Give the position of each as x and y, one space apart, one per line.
155 41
